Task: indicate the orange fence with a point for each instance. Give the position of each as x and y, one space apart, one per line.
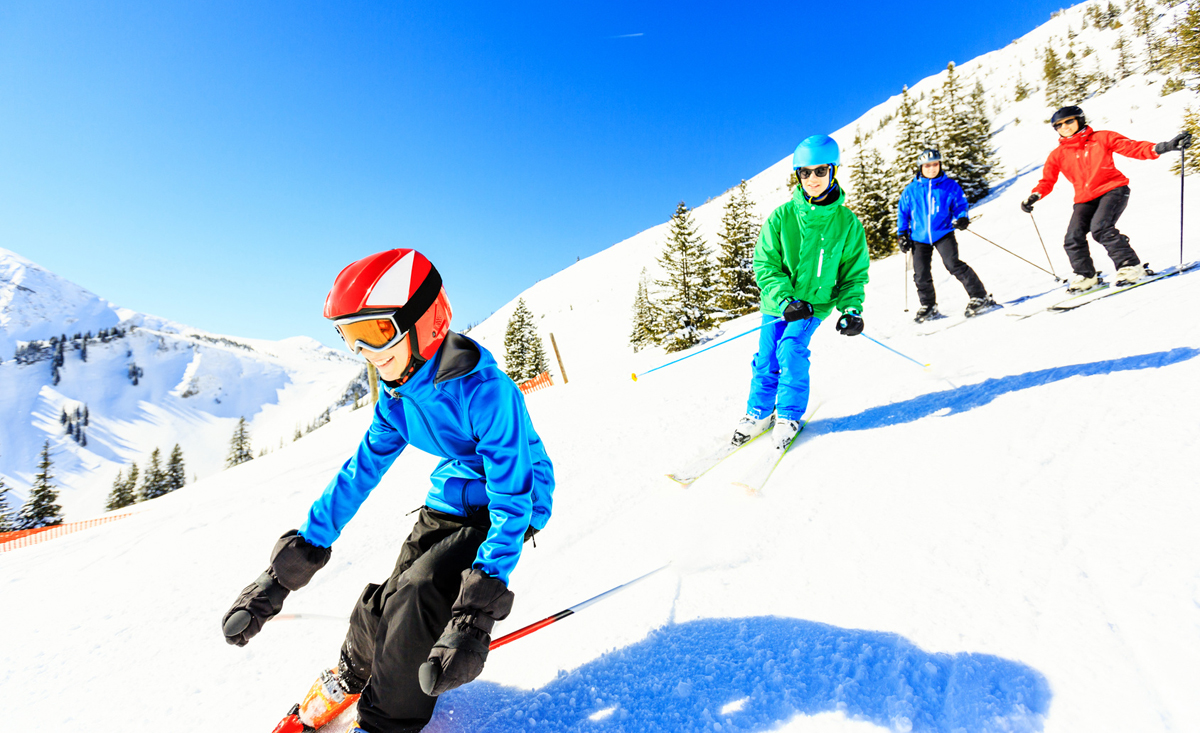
533 384
27 537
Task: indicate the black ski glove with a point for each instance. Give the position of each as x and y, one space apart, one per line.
1027 204
850 324
797 310
905 242
293 563
458 656
1179 142
962 223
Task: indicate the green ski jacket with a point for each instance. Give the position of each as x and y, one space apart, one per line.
812 253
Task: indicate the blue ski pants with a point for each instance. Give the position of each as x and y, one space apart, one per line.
780 369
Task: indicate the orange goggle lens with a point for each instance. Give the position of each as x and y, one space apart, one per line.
373 333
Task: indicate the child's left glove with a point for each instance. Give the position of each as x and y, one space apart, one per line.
458 656
850 324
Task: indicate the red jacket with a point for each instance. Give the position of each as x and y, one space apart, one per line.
1086 160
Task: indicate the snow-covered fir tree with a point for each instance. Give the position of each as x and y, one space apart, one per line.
874 201
154 479
646 329
1055 78
524 354
239 445
41 509
738 293
974 161
910 141
122 494
688 289
176 474
7 522
1184 51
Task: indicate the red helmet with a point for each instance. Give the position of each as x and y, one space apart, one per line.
399 286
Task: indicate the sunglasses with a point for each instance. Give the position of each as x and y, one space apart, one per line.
820 172
1060 123
374 332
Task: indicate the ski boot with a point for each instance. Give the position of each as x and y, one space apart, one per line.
975 306
1083 283
1130 274
785 431
333 692
750 427
926 313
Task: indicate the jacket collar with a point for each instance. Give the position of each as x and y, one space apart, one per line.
808 208
1078 139
457 357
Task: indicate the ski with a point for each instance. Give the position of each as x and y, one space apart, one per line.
1103 286
754 479
1101 293
960 321
709 460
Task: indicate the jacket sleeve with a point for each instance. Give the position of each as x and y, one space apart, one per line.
501 424
852 270
1122 145
773 283
903 212
959 208
1049 176
354 482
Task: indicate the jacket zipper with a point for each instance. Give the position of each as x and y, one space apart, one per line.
929 211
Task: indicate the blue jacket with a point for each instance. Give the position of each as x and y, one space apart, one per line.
929 208
459 406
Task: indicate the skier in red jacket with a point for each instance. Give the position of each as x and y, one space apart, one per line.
1084 156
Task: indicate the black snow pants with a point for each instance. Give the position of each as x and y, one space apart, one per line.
394 625
1099 216
947 247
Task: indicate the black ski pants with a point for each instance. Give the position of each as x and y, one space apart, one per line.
394 625
947 247
1099 216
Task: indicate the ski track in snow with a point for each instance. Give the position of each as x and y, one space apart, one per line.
1004 543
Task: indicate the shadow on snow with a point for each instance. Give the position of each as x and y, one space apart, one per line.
756 673
977 395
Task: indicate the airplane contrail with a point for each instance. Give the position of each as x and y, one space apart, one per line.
629 35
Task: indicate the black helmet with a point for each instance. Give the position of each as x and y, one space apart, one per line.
929 155
1067 113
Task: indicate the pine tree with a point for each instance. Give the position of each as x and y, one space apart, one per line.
687 303
1055 77
239 445
1185 51
122 494
1123 60
1191 123
738 294
6 516
1021 91
872 202
154 480
524 354
176 475
910 141
41 509
973 162
646 318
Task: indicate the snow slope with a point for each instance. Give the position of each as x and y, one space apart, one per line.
1004 543
193 388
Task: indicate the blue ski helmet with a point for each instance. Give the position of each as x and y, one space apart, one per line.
816 150
929 155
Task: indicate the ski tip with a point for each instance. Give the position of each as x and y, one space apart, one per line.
633 376
928 367
681 481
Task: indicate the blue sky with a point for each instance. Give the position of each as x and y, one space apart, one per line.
218 163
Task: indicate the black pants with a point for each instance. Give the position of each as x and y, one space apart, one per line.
394 625
947 247
1099 216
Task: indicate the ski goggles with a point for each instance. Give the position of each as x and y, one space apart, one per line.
372 331
1060 123
820 172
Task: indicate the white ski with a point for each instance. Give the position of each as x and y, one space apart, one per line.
755 478
707 461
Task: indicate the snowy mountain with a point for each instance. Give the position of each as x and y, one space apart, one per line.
146 383
1005 542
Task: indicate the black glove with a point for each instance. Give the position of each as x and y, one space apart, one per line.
850 324
962 223
293 563
1027 204
905 242
797 310
1179 142
458 656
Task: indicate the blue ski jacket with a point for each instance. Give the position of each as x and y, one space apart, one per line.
929 207
462 407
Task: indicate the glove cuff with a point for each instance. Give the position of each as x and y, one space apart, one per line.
483 596
295 560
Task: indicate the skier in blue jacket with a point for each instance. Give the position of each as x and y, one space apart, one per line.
427 628
931 208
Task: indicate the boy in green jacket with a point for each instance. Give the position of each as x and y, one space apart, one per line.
811 257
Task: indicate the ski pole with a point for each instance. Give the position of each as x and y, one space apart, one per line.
701 351
1182 175
907 260
1039 233
527 630
1014 254
889 348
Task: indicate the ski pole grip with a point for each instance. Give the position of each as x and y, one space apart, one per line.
237 623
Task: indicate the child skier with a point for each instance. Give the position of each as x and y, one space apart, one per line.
931 207
811 256
426 629
1084 156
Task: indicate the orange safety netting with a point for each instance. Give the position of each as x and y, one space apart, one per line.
533 384
27 537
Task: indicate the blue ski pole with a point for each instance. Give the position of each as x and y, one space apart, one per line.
701 351
889 348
